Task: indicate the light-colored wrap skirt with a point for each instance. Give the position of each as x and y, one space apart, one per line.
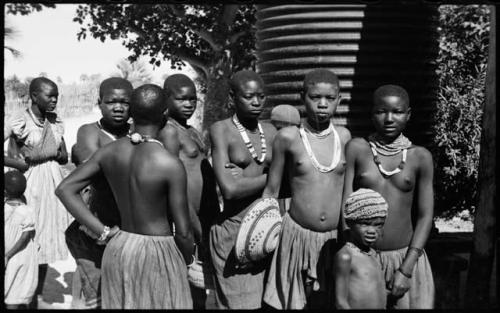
235 288
144 272
302 257
421 292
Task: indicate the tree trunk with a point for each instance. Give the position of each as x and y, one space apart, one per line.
216 106
480 269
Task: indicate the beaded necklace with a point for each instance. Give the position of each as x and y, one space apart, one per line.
310 153
379 164
137 138
352 246
248 143
110 135
390 149
320 135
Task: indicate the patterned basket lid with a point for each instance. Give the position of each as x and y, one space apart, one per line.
259 231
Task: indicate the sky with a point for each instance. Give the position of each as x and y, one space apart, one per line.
48 43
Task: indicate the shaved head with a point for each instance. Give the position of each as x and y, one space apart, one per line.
37 83
176 82
114 83
391 91
148 104
242 77
320 76
15 183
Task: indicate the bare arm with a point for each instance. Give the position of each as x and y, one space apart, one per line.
19 164
280 145
62 153
69 190
350 158
342 269
231 187
87 142
177 197
20 243
425 207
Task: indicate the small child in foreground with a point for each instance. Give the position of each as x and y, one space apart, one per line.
21 263
359 282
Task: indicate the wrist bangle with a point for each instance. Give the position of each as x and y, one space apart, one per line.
418 250
104 234
404 274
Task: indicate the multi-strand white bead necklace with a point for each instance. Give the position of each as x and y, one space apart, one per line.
402 143
248 143
321 135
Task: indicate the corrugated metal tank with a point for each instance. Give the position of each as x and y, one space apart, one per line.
366 45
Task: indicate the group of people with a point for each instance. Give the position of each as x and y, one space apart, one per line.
356 212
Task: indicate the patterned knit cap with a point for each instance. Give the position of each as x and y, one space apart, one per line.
365 204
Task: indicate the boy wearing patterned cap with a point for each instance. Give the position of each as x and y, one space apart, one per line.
359 283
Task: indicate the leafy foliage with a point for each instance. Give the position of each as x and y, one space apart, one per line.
462 63
136 72
180 33
214 39
26 8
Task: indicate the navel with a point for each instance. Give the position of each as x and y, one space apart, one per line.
323 218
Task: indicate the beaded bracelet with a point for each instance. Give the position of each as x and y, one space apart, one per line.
404 274
104 234
419 251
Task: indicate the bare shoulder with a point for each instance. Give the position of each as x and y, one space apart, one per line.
88 129
219 127
356 144
344 133
268 127
343 257
421 154
168 130
287 134
167 162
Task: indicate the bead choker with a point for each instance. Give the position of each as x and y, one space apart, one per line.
137 138
379 164
390 149
352 246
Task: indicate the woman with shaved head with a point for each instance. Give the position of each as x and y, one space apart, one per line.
244 141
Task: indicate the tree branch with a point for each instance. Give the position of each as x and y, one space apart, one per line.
207 36
203 34
193 60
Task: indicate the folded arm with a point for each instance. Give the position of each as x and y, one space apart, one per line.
232 187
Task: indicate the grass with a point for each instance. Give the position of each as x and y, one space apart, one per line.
74 100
